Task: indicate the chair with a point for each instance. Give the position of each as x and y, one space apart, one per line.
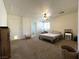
68 34
68 52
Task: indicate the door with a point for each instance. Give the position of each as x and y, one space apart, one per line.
34 28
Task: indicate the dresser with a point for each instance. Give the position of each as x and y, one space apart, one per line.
4 43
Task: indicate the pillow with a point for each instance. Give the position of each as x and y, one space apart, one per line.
44 32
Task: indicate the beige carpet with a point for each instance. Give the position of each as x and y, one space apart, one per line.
35 49
71 43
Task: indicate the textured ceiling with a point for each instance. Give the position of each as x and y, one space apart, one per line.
36 7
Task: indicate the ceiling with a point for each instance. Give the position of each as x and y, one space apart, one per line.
36 7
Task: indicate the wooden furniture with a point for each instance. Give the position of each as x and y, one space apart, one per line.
27 36
68 35
4 43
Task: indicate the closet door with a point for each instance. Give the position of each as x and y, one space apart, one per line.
5 43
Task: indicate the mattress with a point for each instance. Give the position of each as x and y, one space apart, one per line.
50 34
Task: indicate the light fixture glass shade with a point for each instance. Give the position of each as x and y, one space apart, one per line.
45 16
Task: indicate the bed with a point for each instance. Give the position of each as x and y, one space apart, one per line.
52 37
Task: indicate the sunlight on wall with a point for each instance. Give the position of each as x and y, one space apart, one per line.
15 37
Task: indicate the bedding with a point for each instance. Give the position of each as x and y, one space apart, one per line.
50 36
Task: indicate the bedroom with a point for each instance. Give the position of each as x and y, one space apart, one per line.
25 19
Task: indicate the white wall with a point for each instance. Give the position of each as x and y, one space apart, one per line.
26 26
15 25
78 25
3 14
67 21
19 26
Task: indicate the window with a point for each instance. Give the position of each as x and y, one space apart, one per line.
45 26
